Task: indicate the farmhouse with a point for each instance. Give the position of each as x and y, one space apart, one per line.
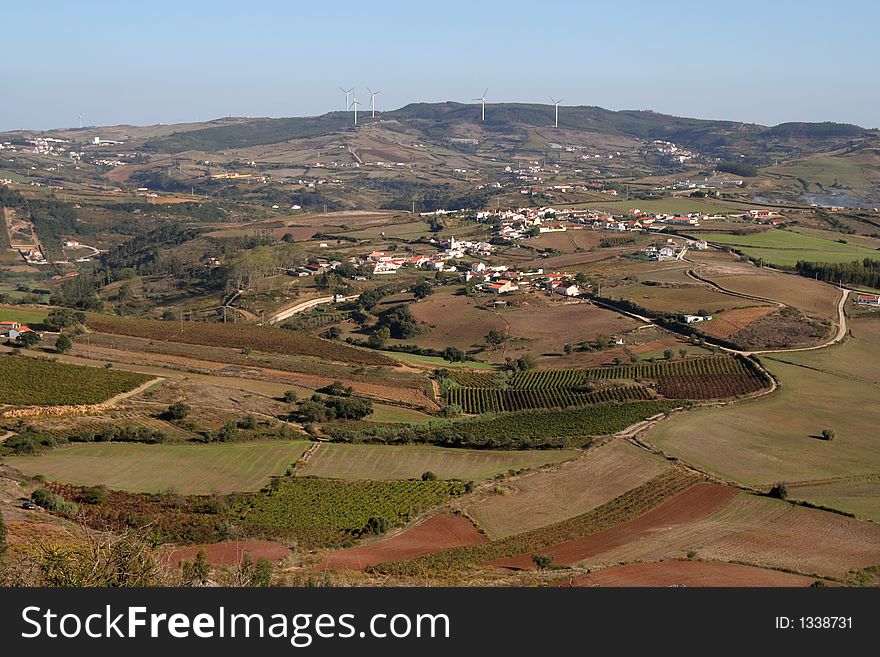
690 319
501 286
568 290
868 299
12 330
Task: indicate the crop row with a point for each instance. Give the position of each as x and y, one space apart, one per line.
668 368
43 382
330 512
238 336
495 400
630 505
710 386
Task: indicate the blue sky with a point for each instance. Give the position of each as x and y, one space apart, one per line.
167 62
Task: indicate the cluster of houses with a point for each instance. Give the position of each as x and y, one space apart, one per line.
384 262
500 279
317 267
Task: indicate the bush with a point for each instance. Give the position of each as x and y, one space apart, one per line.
828 434
248 422
94 495
290 396
177 411
428 476
779 491
542 561
63 344
376 525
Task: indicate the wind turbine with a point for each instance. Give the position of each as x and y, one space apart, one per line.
80 121
354 103
556 107
373 95
482 100
346 92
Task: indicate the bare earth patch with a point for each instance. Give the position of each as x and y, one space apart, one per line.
231 553
690 573
433 535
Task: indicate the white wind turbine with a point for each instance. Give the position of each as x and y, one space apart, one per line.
482 100
346 92
80 120
373 95
354 103
556 107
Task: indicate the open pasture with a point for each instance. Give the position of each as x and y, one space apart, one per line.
384 462
186 468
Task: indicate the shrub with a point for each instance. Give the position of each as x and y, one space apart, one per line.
542 561
177 411
779 491
428 476
248 422
828 434
63 344
376 525
94 495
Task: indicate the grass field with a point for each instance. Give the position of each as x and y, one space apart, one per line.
188 469
861 498
786 247
776 438
381 462
668 205
808 295
435 361
542 498
45 382
22 314
684 300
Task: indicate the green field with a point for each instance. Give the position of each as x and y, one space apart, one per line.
22 314
777 437
340 461
861 498
188 469
786 247
43 382
328 512
388 413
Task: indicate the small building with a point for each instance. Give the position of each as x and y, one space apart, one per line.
568 290
501 286
12 330
868 299
690 319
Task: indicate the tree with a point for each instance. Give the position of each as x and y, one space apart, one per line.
568 348
177 411
828 434
668 354
779 491
332 333
495 338
428 476
63 344
683 353
28 340
422 290
378 339
376 525
62 318
453 354
290 396
581 278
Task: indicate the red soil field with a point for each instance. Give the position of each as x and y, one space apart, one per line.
736 319
694 503
434 534
230 553
689 573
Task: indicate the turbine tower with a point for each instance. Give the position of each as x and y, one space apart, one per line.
556 108
80 121
354 103
373 95
482 100
346 92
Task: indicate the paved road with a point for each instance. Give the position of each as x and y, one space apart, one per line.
303 306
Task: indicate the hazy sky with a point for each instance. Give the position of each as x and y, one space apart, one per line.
167 62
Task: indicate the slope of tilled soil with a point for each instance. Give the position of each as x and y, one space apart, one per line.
689 573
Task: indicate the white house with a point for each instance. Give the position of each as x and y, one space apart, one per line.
568 290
